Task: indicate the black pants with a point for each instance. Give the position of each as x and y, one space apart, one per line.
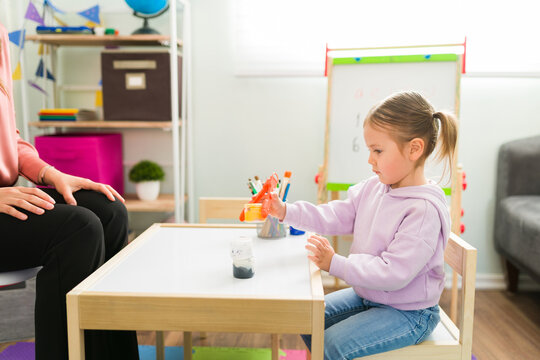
70 242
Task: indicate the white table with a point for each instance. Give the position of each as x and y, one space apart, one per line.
179 278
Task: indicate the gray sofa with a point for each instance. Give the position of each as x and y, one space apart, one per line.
517 209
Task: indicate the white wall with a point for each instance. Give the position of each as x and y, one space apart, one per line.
248 126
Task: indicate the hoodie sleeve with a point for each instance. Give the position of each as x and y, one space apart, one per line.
334 218
408 252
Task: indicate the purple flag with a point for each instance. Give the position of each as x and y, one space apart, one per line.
32 14
91 14
36 86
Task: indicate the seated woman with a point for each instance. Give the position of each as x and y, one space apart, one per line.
70 229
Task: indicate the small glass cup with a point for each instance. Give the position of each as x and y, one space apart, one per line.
242 256
244 268
271 228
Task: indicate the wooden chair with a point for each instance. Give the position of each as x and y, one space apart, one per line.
220 208
449 340
224 208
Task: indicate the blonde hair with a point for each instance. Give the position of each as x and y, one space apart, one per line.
408 115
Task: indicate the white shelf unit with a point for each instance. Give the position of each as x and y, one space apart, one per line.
181 131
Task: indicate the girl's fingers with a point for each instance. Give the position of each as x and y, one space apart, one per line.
315 242
312 248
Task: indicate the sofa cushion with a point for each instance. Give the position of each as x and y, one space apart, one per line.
518 231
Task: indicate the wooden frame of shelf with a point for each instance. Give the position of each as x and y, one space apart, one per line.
164 203
104 40
104 124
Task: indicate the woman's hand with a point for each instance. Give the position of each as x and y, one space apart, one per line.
276 207
67 184
321 251
32 199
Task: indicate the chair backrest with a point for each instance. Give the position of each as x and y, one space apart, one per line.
14 277
220 208
461 257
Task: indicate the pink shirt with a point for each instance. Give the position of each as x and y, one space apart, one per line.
17 157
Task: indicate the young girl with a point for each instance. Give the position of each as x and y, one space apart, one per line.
400 223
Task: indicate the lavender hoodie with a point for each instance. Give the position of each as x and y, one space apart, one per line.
397 255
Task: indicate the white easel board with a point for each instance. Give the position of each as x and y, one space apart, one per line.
356 84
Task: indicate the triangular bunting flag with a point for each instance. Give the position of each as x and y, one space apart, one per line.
16 37
91 24
40 49
36 86
17 75
99 98
48 2
39 71
32 14
91 14
50 76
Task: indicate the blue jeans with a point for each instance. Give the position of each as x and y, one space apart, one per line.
355 327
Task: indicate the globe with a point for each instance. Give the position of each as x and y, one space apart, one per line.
147 9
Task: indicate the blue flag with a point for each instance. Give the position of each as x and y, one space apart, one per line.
39 71
91 14
16 37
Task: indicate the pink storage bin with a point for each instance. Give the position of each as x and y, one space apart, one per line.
96 156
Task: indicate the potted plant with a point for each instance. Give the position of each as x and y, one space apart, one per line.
147 176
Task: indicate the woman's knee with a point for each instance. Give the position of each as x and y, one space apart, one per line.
109 212
86 231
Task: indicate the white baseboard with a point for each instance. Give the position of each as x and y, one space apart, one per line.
483 282
496 282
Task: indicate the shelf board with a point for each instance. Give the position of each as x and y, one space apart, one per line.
164 203
104 124
103 40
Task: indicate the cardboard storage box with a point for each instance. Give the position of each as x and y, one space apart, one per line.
136 85
97 157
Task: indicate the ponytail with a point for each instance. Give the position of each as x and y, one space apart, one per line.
447 136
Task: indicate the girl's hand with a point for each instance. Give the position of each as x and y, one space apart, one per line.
31 199
322 251
67 184
276 207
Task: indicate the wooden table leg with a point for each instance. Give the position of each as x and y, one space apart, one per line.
275 346
317 336
160 346
187 345
75 333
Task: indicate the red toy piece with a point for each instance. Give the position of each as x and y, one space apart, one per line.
462 228
263 196
464 182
